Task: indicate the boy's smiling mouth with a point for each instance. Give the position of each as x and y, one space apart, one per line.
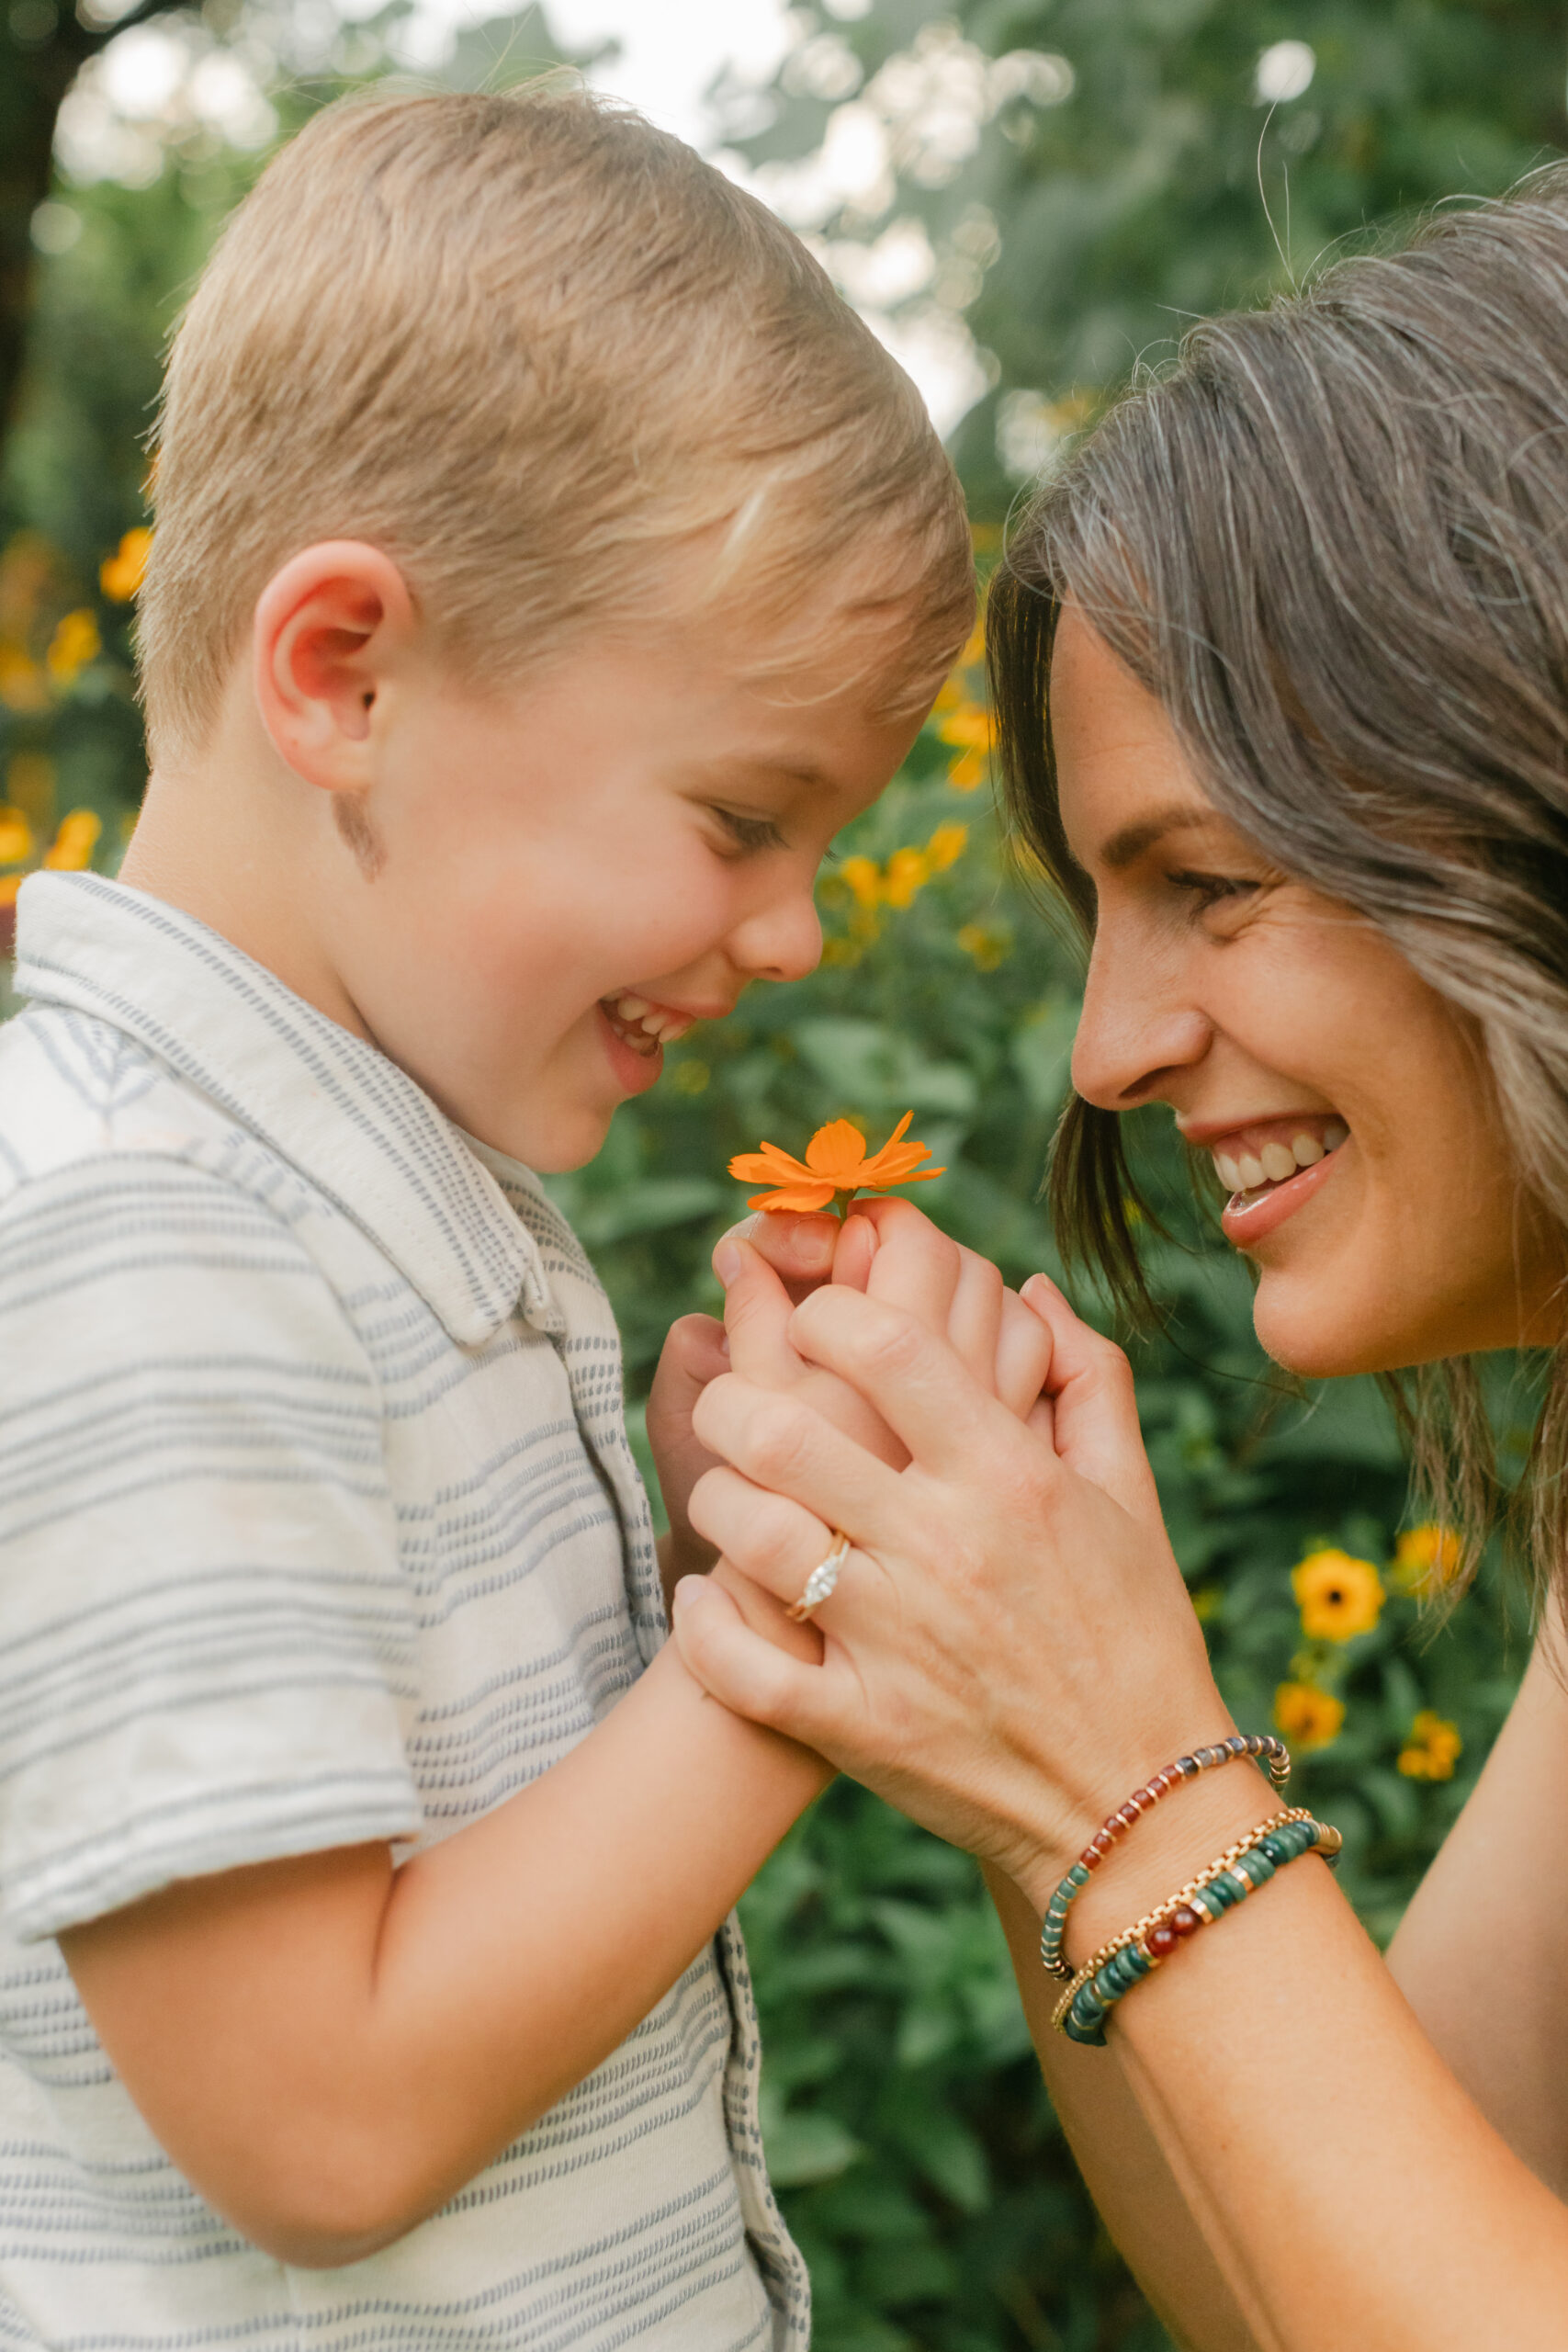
646 1027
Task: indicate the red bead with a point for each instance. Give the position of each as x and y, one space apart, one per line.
1161 1941
1127 1816
1102 1841
1185 1921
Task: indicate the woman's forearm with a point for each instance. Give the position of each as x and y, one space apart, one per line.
1348 2189
1125 2170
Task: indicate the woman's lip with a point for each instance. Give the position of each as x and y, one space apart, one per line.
1242 1227
635 1072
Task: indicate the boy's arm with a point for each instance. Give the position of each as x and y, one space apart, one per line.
329 2048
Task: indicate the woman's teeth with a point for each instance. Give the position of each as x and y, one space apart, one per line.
644 1027
1275 1160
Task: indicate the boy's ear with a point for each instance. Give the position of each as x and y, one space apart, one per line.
330 627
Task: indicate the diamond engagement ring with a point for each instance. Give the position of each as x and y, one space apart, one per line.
822 1579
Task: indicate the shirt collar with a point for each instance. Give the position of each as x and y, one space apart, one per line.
355 1123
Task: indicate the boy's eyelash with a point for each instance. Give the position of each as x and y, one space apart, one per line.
750 832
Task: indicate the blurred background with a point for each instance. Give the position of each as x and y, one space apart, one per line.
1029 199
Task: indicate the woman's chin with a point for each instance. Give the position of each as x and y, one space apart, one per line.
1321 1339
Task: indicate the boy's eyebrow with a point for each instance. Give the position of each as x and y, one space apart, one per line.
799 771
1130 843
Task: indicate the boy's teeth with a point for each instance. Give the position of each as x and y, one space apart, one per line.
1276 1160
644 1026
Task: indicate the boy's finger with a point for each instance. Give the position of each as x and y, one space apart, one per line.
780 1441
799 1248
738 1666
916 1266
757 1309
913 1378
1023 1355
975 1318
855 1249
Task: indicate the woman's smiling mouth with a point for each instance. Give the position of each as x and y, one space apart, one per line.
1271 1167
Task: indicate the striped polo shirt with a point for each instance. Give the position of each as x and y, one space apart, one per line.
318 1525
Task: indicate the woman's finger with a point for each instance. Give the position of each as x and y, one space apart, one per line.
779 1442
773 1541
1094 1405
974 1316
912 1377
1023 1355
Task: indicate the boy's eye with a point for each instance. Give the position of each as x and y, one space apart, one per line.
749 832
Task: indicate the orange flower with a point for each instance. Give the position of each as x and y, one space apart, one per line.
835 1164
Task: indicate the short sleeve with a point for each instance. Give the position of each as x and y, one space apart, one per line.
206 1639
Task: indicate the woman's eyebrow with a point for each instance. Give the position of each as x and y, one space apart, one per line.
1130 843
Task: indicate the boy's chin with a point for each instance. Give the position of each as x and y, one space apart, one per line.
550 1143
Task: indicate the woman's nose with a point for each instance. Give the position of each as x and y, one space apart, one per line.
1138 1031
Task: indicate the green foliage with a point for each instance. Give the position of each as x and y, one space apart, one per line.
913 2146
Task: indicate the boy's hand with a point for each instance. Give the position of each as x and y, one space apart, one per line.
801 1251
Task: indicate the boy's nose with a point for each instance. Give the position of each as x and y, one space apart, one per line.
781 942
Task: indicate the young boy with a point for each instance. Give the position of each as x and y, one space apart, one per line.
547 565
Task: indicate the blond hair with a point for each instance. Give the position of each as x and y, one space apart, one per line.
569 376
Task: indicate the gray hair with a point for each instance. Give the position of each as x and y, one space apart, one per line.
1334 542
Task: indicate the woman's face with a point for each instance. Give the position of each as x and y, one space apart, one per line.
1348 1112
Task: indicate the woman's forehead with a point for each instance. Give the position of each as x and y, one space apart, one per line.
1122 777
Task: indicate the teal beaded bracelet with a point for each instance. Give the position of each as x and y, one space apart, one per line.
1261 1745
1109 1977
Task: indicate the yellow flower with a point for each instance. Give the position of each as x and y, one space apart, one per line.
1306 1716
970 728
1337 1595
74 643
908 870
1425 1557
864 877
74 843
23 685
835 1164
946 846
16 837
692 1078
1206 1600
985 942
119 575
1431 1749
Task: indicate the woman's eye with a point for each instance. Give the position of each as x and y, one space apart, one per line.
1210 889
749 832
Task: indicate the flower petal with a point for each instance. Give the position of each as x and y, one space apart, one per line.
838 1152
770 1166
800 1198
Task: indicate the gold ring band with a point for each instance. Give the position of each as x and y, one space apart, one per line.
821 1580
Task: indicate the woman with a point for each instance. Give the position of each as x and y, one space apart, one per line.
1282 662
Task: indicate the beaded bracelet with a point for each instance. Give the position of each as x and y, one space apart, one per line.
1272 1752
1251 1863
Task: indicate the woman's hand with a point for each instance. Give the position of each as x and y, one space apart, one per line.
1011 1646
769 1263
